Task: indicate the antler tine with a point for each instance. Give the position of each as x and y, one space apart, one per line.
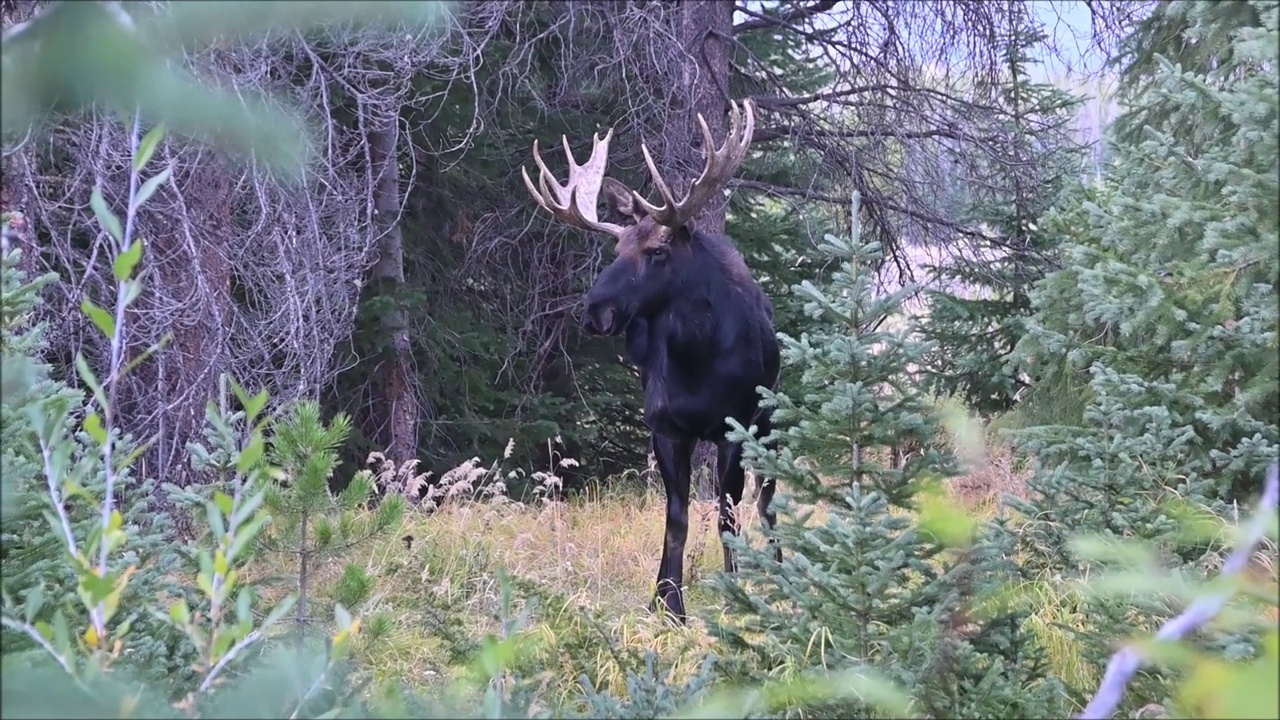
719 167
574 203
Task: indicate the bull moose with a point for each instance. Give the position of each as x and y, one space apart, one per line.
697 324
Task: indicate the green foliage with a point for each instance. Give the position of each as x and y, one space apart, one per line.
977 313
1165 313
85 630
872 587
1167 306
312 526
38 414
856 399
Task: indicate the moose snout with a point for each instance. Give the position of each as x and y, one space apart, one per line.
599 319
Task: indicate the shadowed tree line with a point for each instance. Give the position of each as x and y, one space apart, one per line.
402 277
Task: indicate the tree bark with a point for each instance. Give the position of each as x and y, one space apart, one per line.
188 266
399 431
705 28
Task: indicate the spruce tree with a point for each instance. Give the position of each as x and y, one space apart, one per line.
979 305
1167 305
1166 314
871 585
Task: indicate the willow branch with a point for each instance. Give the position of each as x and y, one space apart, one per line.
1125 663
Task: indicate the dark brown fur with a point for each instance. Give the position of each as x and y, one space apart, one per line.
700 329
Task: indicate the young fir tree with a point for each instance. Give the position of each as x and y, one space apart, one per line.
869 585
977 313
311 525
1166 310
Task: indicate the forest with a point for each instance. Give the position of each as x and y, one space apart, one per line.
308 407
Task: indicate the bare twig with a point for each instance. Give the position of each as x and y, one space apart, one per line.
1126 662
247 276
31 632
232 654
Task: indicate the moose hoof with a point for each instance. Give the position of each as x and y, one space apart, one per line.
663 606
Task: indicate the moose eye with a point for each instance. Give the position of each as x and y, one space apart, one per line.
658 253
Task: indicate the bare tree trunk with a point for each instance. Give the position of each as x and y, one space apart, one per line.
189 268
399 433
705 30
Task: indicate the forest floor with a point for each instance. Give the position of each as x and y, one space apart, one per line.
595 559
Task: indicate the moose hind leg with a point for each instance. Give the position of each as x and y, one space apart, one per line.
675 459
766 486
732 480
764 495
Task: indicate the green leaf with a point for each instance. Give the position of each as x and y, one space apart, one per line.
147 147
245 535
94 589
61 633
106 218
93 426
279 611
224 502
100 317
240 394
341 617
151 185
35 601
205 582
243 599
221 644
216 523
86 375
255 405
251 454
126 261
180 613
247 508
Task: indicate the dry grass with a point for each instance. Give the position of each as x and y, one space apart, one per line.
595 553
439 575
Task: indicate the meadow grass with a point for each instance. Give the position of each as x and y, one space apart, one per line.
594 558
588 569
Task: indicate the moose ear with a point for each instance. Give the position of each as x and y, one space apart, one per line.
619 201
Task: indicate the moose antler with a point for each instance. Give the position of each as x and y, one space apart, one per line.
720 166
574 203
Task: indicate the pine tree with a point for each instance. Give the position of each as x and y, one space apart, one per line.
1166 312
977 312
870 585
311 525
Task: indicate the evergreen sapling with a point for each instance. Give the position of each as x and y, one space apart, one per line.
871 585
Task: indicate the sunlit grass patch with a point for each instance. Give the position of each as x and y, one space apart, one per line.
587 569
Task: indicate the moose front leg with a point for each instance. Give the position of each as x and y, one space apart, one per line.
675 460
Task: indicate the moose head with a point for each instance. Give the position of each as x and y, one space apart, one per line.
653 249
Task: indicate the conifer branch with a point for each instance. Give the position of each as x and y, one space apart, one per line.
1126 662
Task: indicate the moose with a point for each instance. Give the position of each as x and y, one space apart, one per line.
698 326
